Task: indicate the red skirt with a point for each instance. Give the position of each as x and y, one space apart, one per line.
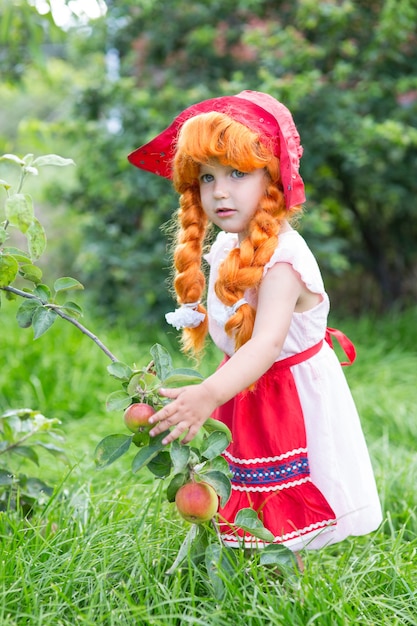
268 459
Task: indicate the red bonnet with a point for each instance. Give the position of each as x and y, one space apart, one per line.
258 111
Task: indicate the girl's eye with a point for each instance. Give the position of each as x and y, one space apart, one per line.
238 174
206 178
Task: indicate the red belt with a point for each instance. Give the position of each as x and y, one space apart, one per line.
345 343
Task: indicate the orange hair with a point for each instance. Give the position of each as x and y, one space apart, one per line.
204 137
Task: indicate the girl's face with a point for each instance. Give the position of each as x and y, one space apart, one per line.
230 197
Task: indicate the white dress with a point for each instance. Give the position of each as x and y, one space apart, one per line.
339 462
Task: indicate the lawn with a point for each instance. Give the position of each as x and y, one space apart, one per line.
98 551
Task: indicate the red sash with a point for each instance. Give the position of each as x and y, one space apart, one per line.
346 344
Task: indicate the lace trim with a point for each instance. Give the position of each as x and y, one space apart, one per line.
289 537
270 459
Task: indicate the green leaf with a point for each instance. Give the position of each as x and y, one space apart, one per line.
134 387
120 370
31 272
211 425
4 235
221 565
6 478
36 488
212 557
180 455
110 449
13 158
36 239
57 452
26 311
147 453
177 481
11 296
141 438
143 457
66 282
28 159
181 377
19 255
220 483
201 541
72 309
117 401
214 445
162 360
27 452
161 465
52 159
184 550
276 554
219 463
11 426
248 520
5 184
42 292
19 211
42 321
9 268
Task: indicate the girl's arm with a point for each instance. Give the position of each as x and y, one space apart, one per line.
280 291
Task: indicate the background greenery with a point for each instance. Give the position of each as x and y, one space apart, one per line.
93 91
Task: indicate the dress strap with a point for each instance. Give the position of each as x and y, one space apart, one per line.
345 343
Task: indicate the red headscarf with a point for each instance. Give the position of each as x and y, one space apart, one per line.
256 110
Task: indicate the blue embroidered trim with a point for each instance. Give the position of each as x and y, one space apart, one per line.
271 474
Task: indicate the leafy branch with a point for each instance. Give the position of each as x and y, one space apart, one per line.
57 310
40 308
180 465
200 464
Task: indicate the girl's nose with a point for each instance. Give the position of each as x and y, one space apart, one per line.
220 192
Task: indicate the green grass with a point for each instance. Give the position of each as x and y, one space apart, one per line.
97 553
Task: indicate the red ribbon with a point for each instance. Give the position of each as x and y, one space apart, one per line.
345 343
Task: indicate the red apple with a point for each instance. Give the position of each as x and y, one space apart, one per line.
197 502
136 416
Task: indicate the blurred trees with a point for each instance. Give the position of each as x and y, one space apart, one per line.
348 72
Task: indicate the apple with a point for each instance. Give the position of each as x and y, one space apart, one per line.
136 416
197 502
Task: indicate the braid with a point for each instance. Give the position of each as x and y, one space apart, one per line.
243 267
189 281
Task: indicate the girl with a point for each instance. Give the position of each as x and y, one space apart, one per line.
298 455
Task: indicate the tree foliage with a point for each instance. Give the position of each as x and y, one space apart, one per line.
347 70
24 34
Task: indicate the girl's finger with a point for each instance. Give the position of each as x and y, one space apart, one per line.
161 415
170 393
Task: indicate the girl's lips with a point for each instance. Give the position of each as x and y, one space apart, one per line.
224 211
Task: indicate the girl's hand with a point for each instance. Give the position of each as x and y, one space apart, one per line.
189 409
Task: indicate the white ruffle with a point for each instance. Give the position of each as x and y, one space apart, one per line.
185 317
293 249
